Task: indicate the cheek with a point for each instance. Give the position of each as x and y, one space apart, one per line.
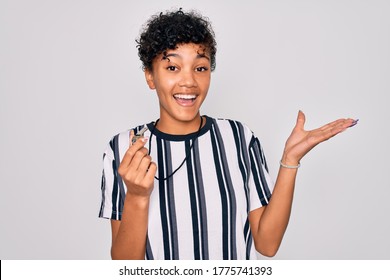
205 82
165 83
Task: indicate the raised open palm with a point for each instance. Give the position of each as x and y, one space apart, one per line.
301 141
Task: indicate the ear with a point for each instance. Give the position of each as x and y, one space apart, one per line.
149 79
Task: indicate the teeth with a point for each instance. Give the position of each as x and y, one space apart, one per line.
185 96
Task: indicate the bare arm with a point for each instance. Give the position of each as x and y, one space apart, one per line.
129 235
269 223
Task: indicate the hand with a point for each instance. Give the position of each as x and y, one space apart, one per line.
300 142
137 169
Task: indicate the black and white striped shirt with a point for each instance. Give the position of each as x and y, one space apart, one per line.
201 212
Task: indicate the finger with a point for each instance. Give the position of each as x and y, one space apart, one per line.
331 124
143 168
347 124
128 156
301 119
132 150
131 136
354 123
137 158
140 143
151 172
144 164
335 128
344 122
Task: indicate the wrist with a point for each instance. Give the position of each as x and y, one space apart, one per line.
288 161
289 166
137 201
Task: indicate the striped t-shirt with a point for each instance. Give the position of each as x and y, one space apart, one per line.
201 212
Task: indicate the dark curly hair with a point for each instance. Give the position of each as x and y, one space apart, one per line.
166 31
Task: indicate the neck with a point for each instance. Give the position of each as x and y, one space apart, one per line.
179 127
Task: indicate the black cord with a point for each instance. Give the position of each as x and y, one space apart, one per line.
187 154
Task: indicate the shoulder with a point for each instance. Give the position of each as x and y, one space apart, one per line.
233 131
233 125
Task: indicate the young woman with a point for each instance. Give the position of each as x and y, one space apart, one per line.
196 187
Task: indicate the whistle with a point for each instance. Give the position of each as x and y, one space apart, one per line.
139 135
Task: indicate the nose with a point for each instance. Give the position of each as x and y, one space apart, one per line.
188 79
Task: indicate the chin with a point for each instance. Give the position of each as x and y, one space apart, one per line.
189 118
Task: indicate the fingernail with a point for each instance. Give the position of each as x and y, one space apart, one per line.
354 123
145 139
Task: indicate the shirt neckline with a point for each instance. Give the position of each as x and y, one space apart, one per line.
173 137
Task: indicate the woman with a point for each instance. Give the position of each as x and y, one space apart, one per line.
196 187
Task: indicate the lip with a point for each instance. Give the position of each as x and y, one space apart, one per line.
185 100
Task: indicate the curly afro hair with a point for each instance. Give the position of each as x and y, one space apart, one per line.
166 31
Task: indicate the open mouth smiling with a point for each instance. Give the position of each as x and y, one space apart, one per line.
185 99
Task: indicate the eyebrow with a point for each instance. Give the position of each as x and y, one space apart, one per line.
199 55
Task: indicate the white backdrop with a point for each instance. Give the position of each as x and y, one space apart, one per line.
70 79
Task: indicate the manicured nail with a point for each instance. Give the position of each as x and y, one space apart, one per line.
354 123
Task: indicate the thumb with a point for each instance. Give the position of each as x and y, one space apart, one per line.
131 137
301 119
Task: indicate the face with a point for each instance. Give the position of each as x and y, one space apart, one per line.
181 78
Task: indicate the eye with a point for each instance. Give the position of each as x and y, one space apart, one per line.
171 68
201 69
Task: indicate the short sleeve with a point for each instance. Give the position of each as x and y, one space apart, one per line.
260 182
112 191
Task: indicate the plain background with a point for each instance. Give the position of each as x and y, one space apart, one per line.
70 79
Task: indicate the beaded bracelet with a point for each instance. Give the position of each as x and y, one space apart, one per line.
289 166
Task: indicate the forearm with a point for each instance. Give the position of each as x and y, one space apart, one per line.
269 224
129 242
274 220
